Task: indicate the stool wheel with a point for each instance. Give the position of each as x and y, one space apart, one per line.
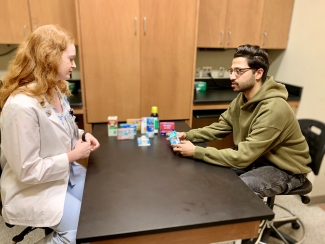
305 199
295 225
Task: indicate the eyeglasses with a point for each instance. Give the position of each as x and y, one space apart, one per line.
238 71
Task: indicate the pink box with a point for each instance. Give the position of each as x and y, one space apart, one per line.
166 127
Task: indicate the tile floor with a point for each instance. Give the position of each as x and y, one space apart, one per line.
322 206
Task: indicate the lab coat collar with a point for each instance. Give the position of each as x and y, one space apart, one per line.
50 113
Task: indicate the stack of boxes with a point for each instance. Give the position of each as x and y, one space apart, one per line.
129 129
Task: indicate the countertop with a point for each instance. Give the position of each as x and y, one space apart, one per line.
221 91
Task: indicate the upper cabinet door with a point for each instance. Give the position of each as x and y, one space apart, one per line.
168 49
212 22
276 23
110 53
61 12
243 24
14 21
230 23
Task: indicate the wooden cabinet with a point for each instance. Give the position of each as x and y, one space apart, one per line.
212 22
110 58
167 58
14 21
230 23
20 17
61 12
276 24
243 22
137 57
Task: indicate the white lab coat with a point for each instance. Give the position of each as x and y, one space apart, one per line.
34 147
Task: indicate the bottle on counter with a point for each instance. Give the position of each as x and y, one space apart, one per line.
154 113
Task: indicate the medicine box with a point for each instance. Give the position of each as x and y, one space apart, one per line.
166 127
143 141
132 127
137 122
112 125
143 125
173 138
200 85
150 127
124 134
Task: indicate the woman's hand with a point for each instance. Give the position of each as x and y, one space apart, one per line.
81 150
186 148
93 142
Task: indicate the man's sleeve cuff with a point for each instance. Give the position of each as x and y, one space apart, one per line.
199 153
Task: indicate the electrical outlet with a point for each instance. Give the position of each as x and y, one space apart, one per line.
206 70
198 72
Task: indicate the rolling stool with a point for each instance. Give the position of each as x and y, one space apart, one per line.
314 132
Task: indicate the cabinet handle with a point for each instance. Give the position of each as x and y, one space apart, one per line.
135 25
265 36
144 25
35 21
25 31
229 37
221 38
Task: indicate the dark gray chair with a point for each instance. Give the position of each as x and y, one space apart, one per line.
314 132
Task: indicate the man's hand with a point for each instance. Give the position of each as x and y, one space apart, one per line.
180 135
186 148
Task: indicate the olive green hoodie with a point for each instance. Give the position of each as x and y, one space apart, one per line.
264 127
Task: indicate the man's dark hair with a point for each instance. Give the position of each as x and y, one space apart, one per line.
256 57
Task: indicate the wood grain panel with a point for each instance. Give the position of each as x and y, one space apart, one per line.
276 23
61 12
212 21
168 51
14 21
194 236
243 24
110 55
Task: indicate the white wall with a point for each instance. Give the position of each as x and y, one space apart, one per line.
302 64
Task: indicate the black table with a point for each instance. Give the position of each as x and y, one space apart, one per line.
151 195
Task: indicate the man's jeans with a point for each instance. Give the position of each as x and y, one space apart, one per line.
268 181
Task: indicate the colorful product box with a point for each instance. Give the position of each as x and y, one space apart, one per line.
166 127
132 127
150 127
173 138
143 125
200 85
143 141
137 122
112 125
124 134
